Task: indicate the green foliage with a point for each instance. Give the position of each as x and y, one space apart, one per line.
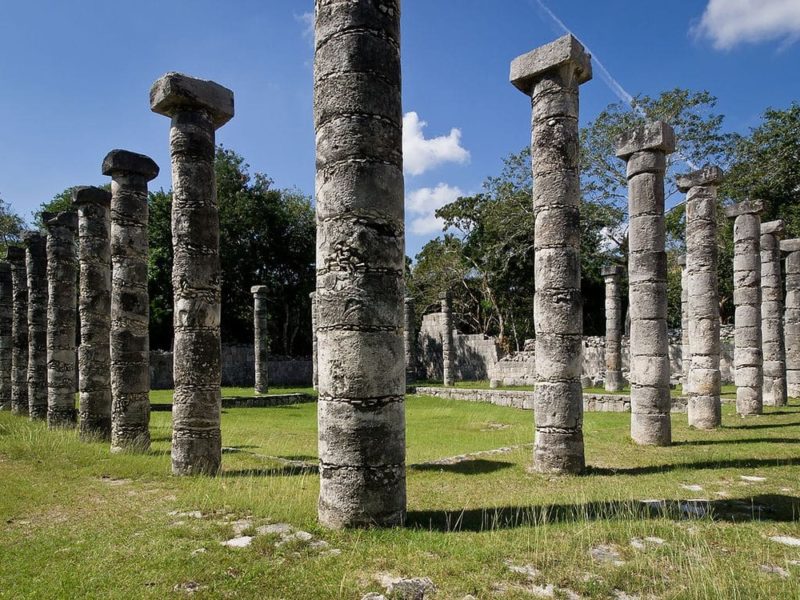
11 226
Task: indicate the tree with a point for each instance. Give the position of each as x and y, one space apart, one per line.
11 226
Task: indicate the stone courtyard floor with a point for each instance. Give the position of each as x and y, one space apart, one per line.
713 516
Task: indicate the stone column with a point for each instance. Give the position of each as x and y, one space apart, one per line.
448 350
6 324
410 340
704 382
197 109
360 263
747 356
792 316
130 300
686 351
19 331
612 274
36 261
94 305
772 345
645 149
261 342
313 296
550 75
62 277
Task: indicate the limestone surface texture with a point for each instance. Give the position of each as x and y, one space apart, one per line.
313 297
550 75
645 149
261 338
19 330
704 380
197 109
94 307
772 342
130 302
791 249
6 319
448 351
612 275
410 339
360 263
36 262
686 351
748 357
62 278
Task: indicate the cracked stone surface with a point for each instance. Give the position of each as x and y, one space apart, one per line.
448 347
607 554
772 342
19 330
410 339
36 262
261 341
612 275
792 315
6 346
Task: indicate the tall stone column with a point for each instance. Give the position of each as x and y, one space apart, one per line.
704 382
410 340
612 275
130 300
645 149
772 345
62 277
6 324
94 306
261 341
448 349
792 316
360 263
19 330
197 109
36 261
686 351
314 377
550 75
747 355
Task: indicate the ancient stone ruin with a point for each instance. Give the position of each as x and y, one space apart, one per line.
261 340
686 348
772 343
791 248
448 352
410 339
612 275
19 331
6 318
36 261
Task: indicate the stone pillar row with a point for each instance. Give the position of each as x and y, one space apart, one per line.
36 260
772 342
261 338
791 248
448 351
6 323
19 330
686 351
612 275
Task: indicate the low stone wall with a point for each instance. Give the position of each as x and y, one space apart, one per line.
476 354
251 401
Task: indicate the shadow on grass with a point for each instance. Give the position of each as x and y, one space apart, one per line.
763 425
740 463
467 467
766 440
770 507
285 471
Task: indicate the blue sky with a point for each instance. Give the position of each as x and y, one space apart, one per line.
75 76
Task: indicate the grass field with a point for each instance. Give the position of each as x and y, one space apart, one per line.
79 522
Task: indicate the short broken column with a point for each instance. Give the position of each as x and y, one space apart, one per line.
448 354
686 352
62 277
747 355
612 275
197 109
704 381
130 300
551 75
261 338
36 260
6 346
410 340
19 330
791 248
644 149
94 306
772 344
313 297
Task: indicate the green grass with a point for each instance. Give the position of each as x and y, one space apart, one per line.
79 522
165 396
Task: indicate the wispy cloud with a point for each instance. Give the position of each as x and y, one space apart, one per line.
422 154
728 23
306 19
421 206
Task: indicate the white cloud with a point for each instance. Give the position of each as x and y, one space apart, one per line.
731 22
420 154
307 21
421 206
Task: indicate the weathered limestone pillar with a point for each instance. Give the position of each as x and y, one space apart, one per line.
410 340
261 342
686 351
197 109
94 306
19 330
6 347
448 349
550 75
747 356
314 377
612 275
62 278
772 345
645 149
130 300
792 316
36 261
360 263
704 381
